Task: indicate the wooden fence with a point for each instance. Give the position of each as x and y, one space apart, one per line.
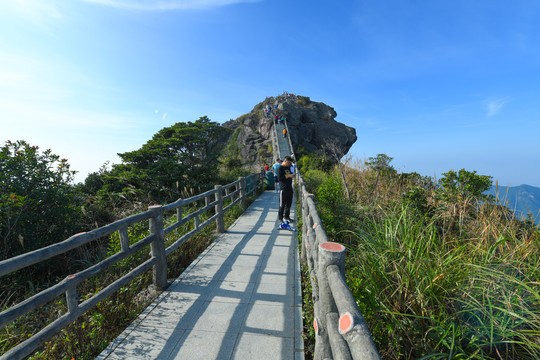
340 329
236 191
290 141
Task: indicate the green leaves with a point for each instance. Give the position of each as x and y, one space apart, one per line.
37 201
381 163
464 184
437 270
178 156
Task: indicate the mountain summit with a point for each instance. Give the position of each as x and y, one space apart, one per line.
312 126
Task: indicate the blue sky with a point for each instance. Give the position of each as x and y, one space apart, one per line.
437 85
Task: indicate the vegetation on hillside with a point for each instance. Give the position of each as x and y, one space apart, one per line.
40 205
184 155
37 202
439 270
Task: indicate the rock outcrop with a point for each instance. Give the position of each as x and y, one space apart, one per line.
312 126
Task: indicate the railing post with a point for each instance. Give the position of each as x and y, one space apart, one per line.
306 228
329 254
243 192
351 324
340 348
124 238
72 298
220 223
322 349
159 275
179 213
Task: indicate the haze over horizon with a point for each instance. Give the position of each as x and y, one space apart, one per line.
435 85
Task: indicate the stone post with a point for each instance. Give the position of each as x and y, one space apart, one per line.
329 254
72 297
243 192
157 247
220 223
179 213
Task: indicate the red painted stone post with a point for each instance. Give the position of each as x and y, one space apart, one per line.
330 253
351 325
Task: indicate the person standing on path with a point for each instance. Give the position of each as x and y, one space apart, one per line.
284 132
293 166
286 191
275 168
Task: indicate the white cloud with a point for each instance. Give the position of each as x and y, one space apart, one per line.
39 13
152 5
495 106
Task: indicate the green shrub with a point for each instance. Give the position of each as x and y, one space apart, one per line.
438 272
303 100
314 179
314 162
417 198
38 205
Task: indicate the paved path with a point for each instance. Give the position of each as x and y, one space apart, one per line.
240 299
283 142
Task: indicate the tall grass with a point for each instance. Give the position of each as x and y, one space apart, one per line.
426 296
439 281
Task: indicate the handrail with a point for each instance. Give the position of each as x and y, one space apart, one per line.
244 187
36 256
275 142
340 329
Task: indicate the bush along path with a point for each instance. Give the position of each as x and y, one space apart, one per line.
438 270
92 331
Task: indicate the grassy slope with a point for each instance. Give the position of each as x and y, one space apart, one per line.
433 279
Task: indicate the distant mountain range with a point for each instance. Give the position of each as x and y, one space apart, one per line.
522 199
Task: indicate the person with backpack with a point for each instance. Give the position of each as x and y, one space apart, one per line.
275 168
269 179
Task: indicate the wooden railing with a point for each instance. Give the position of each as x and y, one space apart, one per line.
289 140
236 191
340 329
275 142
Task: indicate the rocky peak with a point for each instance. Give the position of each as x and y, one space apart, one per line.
311 126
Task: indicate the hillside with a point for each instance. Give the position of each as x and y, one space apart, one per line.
522 199
311 124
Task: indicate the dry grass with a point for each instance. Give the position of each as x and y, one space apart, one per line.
437 279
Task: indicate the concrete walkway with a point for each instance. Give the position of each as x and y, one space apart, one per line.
240 299
283 142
